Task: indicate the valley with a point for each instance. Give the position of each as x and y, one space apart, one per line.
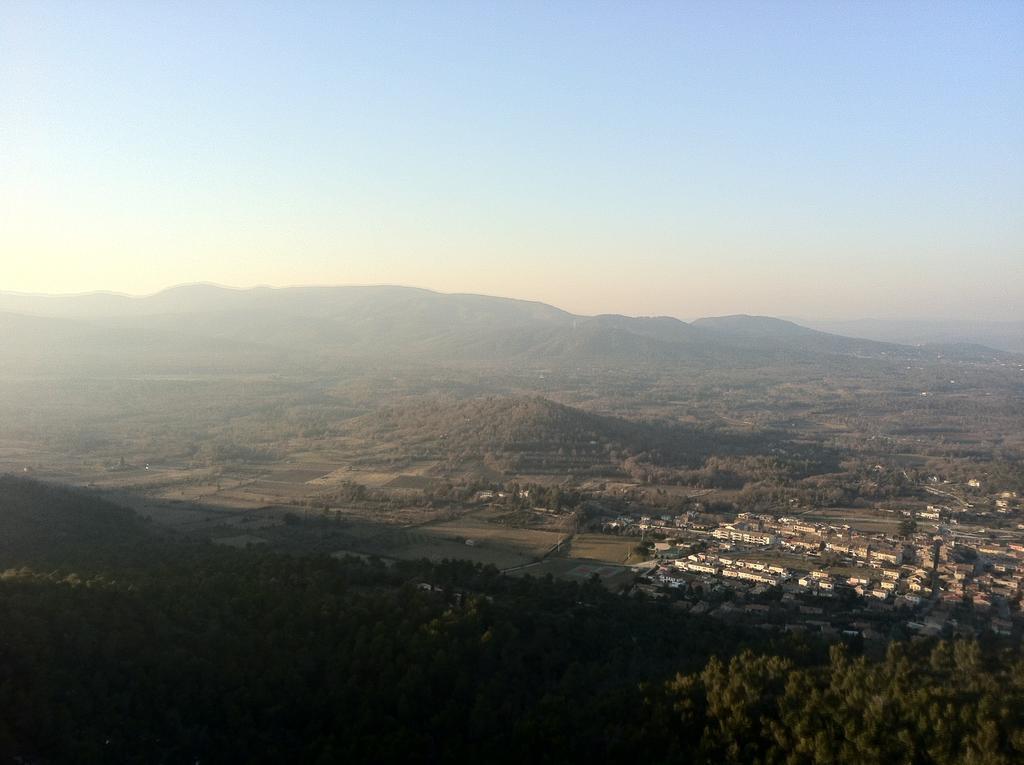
677 446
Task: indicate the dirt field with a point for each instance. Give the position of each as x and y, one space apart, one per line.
477 536
482 533
866 520
792 561
603 547
410 482
437 543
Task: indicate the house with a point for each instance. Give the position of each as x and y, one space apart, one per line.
886 555
808 545
750 576
744 535
698 568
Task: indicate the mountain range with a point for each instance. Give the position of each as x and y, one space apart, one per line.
201 326
1003 335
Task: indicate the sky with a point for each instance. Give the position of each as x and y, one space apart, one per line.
815 159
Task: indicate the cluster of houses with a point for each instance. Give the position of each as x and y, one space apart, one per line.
930 572
739 569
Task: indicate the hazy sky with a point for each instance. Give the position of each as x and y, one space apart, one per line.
685 158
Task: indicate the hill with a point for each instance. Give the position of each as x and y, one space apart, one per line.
782 334
533 435
531 432
42 524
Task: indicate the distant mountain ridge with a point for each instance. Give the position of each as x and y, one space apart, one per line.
388 322
1001 335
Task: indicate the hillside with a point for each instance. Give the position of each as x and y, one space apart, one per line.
41 524
532 432
781 334
515 435
1002 335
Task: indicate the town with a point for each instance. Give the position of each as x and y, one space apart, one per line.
945 573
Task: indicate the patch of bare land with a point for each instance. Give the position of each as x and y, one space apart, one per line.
605 548
866 520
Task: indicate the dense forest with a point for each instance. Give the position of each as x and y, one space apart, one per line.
121 644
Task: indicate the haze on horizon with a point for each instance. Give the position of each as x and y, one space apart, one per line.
822 160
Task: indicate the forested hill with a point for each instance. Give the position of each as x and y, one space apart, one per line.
195 654
48 526
531 433
503 421
500 428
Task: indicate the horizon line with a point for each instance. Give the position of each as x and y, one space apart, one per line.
255 287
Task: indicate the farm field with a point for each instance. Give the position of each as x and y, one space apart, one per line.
579 570
443 542
604 547
861 519
480 532
790 560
